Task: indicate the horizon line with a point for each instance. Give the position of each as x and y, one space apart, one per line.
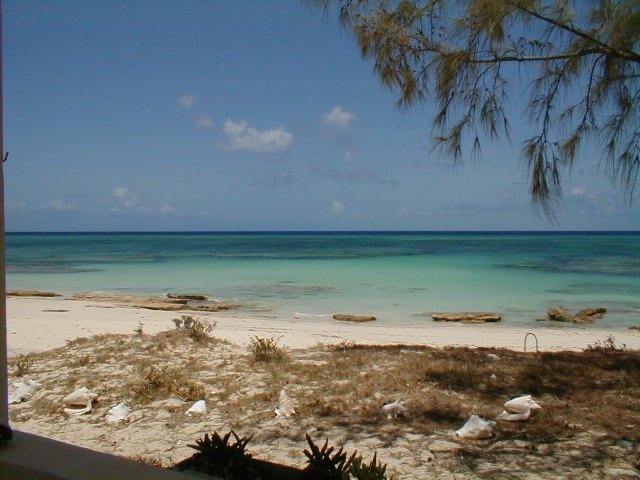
449 231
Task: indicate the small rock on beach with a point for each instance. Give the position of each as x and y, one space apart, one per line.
345 317
467 317
31 293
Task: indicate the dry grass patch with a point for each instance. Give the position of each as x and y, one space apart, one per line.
597 389
267 350
154 383
152 460
20 365
47 406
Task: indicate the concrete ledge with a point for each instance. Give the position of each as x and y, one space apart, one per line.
29 456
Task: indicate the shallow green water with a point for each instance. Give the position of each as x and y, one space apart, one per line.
394 276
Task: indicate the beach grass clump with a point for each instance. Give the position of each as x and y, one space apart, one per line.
608 345
81 360
265 349
194 327
139 330
20 365
157 382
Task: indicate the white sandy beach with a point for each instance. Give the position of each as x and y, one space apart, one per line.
38 324
241 395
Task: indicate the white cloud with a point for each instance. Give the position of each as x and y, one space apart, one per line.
126 198
166 208
187 101
242 137
337 207
59 206
204 121
119 192
578 191
128 202
338 118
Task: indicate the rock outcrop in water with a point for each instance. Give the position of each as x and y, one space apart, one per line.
151 302
467 317
587 315
345 317
31 293
560 315
187 296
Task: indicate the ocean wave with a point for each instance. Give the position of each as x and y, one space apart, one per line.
309 315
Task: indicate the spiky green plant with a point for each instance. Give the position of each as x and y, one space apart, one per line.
372 471
323 465
218 456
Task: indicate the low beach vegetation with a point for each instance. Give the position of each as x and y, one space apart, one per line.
228 458
154 383
589 402
194 327
139 330
20 365
608 345
265 349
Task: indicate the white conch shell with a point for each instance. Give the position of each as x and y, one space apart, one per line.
79 402
23 391
118 413
519 409
285 407
513 417
476 428
393 409
522 404
200 407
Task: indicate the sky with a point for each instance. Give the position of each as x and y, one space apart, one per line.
242 115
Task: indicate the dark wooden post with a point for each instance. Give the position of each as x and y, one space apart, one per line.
5 433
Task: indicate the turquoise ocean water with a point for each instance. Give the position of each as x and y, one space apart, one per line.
394 276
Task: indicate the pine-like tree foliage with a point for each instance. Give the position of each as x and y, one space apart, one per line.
576 64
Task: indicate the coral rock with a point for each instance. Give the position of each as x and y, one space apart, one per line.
467 317
345 317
